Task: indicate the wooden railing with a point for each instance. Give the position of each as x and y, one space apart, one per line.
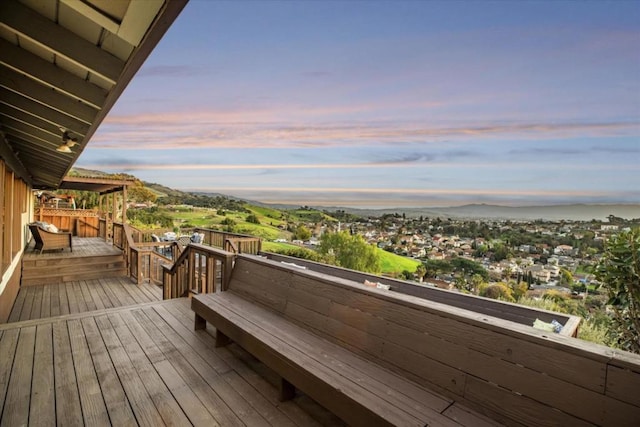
232 242
102 228
198 269
143 260
80 222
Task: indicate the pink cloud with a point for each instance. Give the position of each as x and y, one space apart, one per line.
266 129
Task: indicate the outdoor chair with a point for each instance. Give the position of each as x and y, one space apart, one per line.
48 240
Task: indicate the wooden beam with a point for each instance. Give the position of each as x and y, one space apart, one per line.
124 204
38 155
46 33
45 95
94 15
11 160
137 20
47 73
13 127
30 120
40 111
27 128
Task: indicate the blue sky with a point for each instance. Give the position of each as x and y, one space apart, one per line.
387 104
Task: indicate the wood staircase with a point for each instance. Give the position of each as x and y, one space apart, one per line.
65 268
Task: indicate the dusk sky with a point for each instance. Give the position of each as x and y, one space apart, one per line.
387 104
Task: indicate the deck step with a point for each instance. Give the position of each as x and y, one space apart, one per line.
69 261
68 267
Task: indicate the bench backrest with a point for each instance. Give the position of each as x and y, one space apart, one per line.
508 371
500 309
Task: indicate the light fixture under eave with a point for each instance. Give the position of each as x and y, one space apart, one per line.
64 148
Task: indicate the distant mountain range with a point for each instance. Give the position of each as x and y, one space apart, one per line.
576 212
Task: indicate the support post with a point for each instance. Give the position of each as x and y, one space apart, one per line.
287 390
221 339
124 204
200 323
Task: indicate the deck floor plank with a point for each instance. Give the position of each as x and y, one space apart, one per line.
115 399
109 292
99 290
182 311
143 407
87 295
234 399
72 297
25 314
14 316
64 301
160 378
153 292
45 311
133 291
55 300
212 401
68 408
16 408
8 345
77 291
118 297
36 309
94 410
95 296
43 402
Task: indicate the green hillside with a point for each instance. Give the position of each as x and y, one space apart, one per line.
396 264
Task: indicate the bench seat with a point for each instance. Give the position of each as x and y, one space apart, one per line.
354 388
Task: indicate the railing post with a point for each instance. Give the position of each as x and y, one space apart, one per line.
226 271
210 285
191 273
139 276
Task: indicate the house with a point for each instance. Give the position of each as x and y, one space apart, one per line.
539 272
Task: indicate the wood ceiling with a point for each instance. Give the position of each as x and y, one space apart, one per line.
63 64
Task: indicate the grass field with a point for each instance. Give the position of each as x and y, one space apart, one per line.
390 263
275 246
268 230
396 264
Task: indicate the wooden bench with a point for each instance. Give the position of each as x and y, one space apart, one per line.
47 240
376 357
281 323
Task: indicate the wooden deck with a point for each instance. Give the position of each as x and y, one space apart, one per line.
137 365
41 301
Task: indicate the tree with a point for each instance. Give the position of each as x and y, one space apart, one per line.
499 291
350 251
469 267
421 270
253 219
434 267
566 277
302 233
141 194
619 273
500 252
476 282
